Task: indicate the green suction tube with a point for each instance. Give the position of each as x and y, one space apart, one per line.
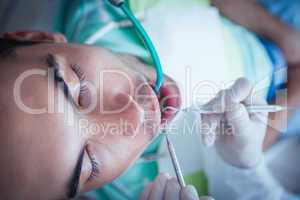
145 37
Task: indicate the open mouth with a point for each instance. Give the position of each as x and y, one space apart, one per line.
168 96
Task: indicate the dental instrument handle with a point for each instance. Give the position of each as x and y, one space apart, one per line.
268 109
175 163
257 109
250 109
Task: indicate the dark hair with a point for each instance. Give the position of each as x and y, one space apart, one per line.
8 46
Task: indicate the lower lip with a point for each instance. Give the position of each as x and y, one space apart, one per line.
171 102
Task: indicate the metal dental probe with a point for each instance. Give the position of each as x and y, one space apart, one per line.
175 163
250 109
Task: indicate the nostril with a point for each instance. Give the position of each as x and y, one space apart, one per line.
146 97
132 115
122 99
119 103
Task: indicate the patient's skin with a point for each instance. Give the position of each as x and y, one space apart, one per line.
39 151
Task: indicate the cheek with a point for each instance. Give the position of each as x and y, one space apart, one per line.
113 99
128 120
115 150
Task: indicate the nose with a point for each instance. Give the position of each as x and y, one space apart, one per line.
139 108
148 102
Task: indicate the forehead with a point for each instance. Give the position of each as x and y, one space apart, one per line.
38 151
8 47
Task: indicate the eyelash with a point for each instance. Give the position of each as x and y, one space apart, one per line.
95 166
51 62
95 170
82 78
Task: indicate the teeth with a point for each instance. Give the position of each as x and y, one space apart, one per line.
170 108
143 116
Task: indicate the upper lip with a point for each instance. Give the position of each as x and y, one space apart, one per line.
168 96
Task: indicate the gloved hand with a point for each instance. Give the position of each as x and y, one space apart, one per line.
166 188
237 135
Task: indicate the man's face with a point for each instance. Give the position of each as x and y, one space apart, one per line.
73 118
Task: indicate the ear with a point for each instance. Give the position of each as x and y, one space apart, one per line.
36 36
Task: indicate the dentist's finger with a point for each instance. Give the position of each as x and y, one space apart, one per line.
257 99
236 94
209 128
189 193
226 99
158 188
236 111
172 191
240 90
237 116
145 195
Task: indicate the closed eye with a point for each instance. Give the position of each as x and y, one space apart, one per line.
84 99
95 165
84 96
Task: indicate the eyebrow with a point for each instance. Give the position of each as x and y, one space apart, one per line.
8 47
73 183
